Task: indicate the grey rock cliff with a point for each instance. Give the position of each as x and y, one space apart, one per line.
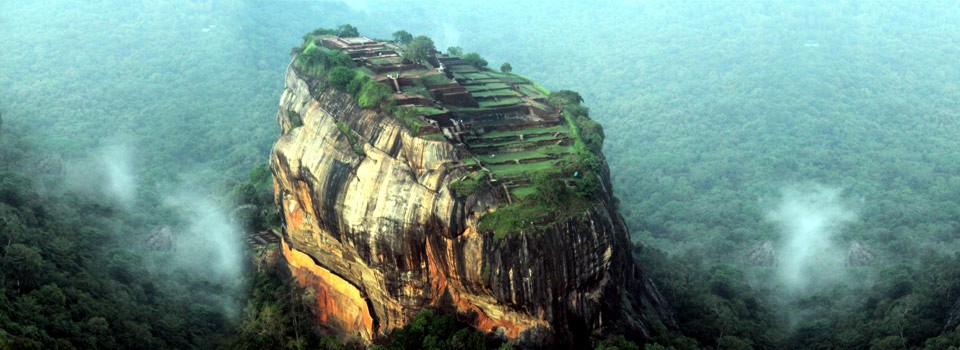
378 236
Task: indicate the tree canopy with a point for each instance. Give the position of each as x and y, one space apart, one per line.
346 30
402 37
420 49
566 97
340 76
475 60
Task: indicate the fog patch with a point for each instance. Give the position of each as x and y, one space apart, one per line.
809 218
209 246
193 238
108 173
119 180
450 36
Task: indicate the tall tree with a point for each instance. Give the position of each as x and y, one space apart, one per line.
340 76
402 37
475 60
346 30
420 49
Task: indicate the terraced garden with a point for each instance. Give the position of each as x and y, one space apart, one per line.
511 137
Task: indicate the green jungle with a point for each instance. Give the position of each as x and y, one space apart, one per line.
789 171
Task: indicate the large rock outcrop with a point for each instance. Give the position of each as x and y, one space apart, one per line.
372 229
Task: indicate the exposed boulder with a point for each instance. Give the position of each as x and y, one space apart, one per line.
160 239
860 254
51 165
762 254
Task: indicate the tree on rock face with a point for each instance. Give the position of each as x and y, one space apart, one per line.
347 30
506 68
455 51
402 37
420 49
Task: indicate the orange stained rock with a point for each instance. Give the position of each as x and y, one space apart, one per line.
438 279
295 210
512 323
277 190
339 304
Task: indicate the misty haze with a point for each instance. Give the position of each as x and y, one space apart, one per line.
479 175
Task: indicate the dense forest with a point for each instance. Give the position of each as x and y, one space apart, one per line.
72 277
721 117
790 172
125 154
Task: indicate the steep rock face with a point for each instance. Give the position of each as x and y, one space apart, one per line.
377 236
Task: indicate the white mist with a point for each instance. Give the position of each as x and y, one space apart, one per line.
809 217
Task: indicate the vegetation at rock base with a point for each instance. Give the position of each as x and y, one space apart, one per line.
277 316
430 330
257 190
